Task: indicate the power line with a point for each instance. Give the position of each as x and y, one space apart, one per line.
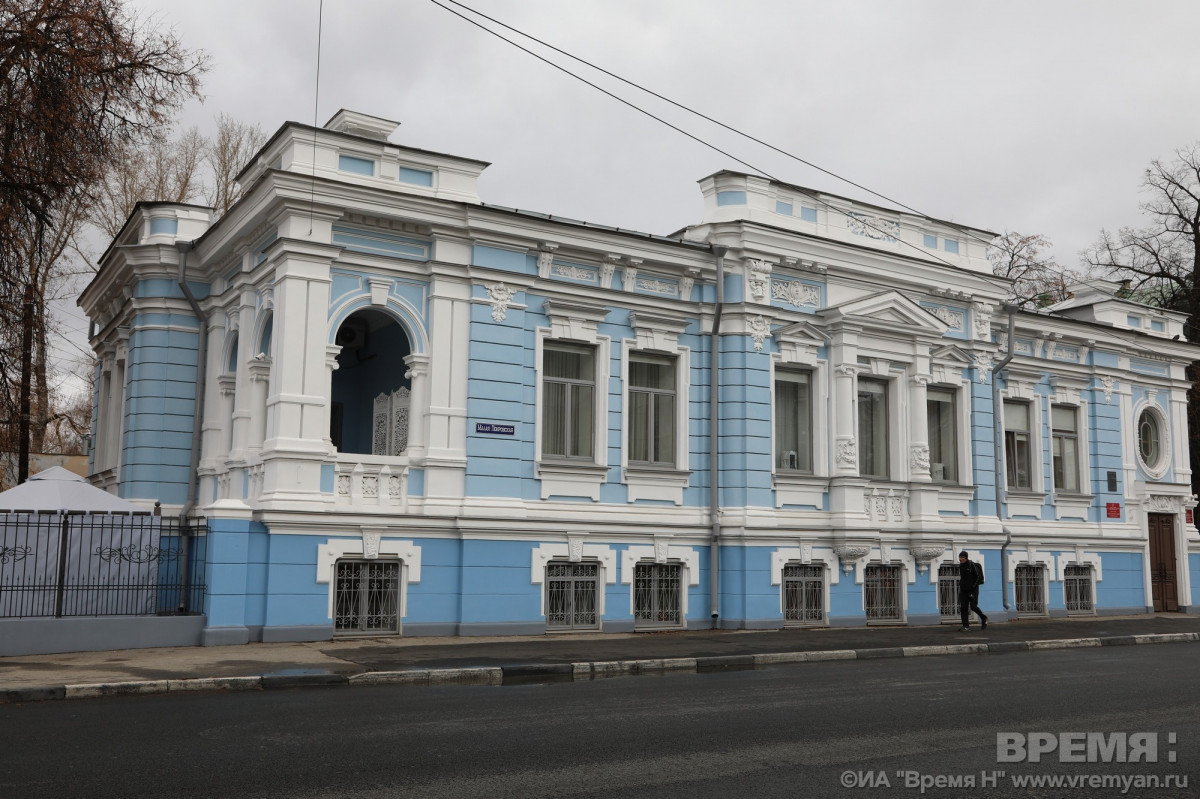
692 136
924 252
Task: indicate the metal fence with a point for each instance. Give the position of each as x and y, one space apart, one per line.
82 564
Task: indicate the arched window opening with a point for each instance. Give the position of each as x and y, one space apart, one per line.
369 414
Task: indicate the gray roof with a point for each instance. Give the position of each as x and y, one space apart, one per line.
57 489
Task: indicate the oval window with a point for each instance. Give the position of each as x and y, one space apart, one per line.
1149 438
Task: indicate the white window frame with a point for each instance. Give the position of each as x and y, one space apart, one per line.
890 409
668 363
658 335
1029 434
563 476
571 384
1148 405
1080 448
1022 501
785 374
956 430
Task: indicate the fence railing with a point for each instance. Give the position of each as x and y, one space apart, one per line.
91 564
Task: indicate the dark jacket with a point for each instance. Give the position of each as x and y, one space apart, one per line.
966 577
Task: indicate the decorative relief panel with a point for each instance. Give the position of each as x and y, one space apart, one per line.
758 279
873 227
793 292
956 320
656 286
574 272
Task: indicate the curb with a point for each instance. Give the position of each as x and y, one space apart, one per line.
526 674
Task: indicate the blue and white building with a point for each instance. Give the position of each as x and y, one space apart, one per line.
423 414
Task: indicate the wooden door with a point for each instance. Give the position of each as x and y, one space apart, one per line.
1162 562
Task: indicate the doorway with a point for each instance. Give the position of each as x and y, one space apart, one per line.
1162 562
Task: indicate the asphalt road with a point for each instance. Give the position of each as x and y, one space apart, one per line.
804 730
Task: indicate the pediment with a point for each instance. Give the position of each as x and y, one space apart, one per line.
801 333
951 355
889 309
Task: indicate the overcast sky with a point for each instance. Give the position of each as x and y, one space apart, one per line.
1032 116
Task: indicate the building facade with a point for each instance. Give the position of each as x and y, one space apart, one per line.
423 414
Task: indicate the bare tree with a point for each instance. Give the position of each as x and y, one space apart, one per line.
79 79
227 152
164 170
1038 279
1162 260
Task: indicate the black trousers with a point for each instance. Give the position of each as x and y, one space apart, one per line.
969 601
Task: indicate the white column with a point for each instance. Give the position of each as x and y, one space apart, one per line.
418 409
918 428
297 440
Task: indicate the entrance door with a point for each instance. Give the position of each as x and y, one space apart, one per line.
1162 562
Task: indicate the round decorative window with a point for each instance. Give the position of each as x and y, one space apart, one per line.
1150 429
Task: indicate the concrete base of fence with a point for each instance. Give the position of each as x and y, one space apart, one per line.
97 633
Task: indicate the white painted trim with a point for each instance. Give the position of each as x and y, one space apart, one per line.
543 554
408 553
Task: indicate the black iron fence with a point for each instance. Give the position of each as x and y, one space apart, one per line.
90 564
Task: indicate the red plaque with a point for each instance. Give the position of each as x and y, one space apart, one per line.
1188 516
1114 509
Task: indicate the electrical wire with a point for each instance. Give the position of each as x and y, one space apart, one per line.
924 252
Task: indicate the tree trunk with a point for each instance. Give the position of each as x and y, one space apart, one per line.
26 375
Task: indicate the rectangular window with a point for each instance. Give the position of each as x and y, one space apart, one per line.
803 594
170 226
948 578
783 208
1016 445
568 401
359 166
808 214
652 410
793 421
1028 590
951 246
572 592
657 595
417 177
1157 326
1077 585
1064 448
943 443
931 241
872 428
881 593
731 198
1133 321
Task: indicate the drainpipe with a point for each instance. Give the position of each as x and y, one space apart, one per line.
998 441
714 438
184 247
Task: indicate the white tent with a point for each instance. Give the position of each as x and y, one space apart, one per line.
68 547
57 489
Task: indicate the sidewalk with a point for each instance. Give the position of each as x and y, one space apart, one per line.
509 660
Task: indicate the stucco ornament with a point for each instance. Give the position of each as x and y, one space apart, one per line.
760 328
500 295
923 555
919 457
847 452
849 554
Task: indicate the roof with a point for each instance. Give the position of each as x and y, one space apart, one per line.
57 489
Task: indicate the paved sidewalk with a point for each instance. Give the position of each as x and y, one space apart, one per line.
508 660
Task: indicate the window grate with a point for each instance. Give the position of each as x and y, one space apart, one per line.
803 594
657 594
881 590
571 596
1028 589
948 579
1077 582
367 597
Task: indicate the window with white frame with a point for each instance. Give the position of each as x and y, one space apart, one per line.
943 438
1077 589
793 420
873 428
651 423
1029 589
568 401
1064 447
1017 463
1150 439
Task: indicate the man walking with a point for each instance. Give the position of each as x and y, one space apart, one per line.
970 577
